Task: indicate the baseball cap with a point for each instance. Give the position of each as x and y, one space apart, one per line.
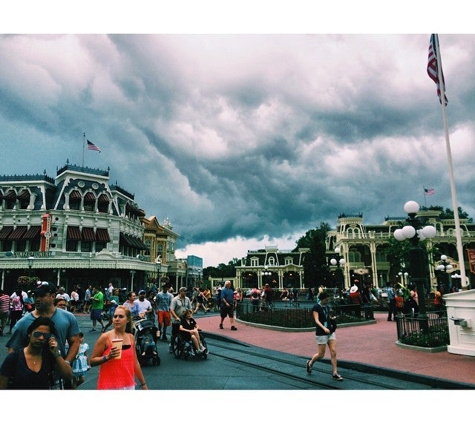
43 287
142 292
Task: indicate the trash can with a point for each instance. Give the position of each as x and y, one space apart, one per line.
461 319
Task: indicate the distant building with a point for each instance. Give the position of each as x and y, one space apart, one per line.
364 249
270 265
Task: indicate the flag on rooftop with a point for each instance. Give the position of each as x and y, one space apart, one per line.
432 66
92 147
429 192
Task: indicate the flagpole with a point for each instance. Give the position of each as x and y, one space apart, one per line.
425 196
458 233
83 148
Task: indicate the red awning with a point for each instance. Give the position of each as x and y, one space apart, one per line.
74 233
88 234
32 232
18 233
6 230
102 235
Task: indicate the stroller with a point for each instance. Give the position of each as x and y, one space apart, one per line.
146 336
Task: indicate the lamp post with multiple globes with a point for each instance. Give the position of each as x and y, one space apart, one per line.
444 266
339 261
415 231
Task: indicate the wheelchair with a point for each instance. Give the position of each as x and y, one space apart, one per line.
182 347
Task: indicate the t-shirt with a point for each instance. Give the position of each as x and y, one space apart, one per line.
143 305
180 305
164 299
66 326
98 301
23 378
323 312
228 296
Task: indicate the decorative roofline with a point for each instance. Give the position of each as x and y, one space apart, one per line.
81 169
27 177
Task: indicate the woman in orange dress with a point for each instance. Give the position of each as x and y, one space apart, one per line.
118 373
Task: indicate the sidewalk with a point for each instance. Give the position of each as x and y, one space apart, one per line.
372 344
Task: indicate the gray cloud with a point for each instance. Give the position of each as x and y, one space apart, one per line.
244 136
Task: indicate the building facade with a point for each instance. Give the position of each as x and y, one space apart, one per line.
365 250
77 229
270 265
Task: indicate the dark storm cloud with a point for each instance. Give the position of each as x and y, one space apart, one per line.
244 137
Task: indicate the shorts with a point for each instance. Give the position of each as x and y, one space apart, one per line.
164 318
227 311
96 314
325 338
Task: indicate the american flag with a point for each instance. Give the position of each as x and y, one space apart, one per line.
429 192
92 147
432 64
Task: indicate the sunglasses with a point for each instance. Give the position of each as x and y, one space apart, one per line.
38 334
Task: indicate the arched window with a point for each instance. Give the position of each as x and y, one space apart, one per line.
74 200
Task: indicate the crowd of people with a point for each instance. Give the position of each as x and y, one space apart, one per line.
48 351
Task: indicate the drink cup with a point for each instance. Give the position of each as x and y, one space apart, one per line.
117 343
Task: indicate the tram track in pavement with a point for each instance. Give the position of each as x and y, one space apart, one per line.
292 368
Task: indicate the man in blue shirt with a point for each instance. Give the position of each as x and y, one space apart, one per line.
227 305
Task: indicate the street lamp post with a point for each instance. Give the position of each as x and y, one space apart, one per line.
415 232
456 281
266 274
444 266
338 261
31 260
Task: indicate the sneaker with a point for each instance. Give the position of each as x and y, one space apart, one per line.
202 349
192 353
309 368
337 376
221 326
233 328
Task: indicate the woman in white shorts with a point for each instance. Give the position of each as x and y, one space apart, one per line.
325 334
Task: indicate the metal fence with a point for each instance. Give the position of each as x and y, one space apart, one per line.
432 331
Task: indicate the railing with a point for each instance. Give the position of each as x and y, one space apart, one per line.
432 331
280 317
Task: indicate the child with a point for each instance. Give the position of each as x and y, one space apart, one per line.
80 363
147 342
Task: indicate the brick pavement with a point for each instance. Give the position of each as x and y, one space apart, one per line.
372 344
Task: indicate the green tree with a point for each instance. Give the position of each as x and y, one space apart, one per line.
448 214
315 262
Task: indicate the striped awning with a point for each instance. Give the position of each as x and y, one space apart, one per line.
102 235
75 195
10 195
88 234
103 199
18 233
6 230
89 197
32 232
133 242
24 195
74 233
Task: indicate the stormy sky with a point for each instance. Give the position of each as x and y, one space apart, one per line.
243 140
